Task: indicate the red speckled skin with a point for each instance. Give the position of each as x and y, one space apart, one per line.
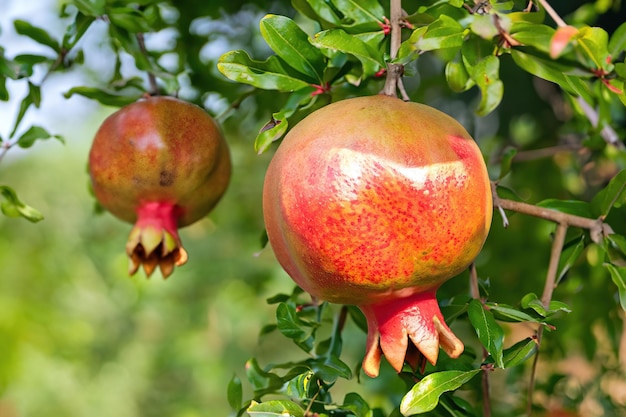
373 198
159 149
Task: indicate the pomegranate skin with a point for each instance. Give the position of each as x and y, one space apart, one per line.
372 200
161 163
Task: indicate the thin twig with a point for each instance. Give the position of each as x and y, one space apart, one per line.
553 14
475 291
546 298
154 88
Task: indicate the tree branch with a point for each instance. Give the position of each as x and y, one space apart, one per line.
546 298
553 14
154 88
596 227
394 71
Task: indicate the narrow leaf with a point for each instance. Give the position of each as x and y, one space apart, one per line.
339 40
235 393
33 98
424 396
35 133
507 160
37 34
444 32
361 11
617 43
270 74
104 97
613 195
489 332
275 408
486 74
291 43
618 275
519 352
12 206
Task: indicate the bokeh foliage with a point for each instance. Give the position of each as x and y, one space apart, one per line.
79 338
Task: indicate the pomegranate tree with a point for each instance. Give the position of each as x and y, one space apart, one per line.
375 202
160 163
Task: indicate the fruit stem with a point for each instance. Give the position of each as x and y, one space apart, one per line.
394 71
154 88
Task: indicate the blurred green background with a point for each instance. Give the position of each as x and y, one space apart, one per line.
78 337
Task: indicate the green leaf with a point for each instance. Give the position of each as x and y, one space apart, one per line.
39 35
408 49
594 42
569 255
551 71
33 98
507 160
12 206
33 134
93 8
354 403
615 246
235 393
277 126
613 195
457 76
26 62
444 32
531 301
617 43
508 313
330 368
486 75
360 11
293 327
531 34
483 26
103 96
292 44
77 29
424 396
275 408
520 352
270 74
323 12
618 275
339 40
129 18
489 332
261 380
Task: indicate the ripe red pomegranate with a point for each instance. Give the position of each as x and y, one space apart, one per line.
160 163
375 202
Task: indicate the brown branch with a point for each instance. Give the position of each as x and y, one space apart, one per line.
553 14
546 298
154 88
596 227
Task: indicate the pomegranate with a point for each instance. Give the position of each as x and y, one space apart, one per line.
161 163
375 202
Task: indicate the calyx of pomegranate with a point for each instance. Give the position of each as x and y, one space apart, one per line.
376 202
154 240
162 164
